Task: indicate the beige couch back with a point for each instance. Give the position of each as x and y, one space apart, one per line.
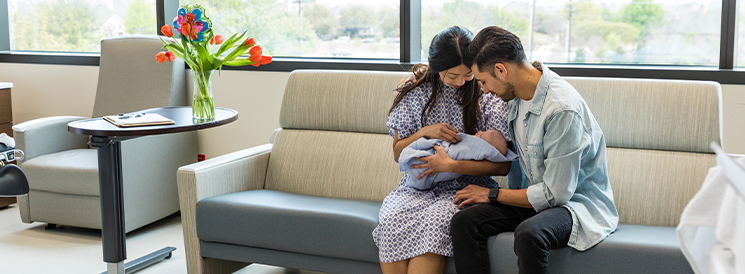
334 140
657 135
335 143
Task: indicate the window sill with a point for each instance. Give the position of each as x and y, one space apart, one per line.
723 76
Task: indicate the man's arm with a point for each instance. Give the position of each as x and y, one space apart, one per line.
564 142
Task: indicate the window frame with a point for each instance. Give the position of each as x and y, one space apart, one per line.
725 73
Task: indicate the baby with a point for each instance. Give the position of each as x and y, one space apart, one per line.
487 145
495 139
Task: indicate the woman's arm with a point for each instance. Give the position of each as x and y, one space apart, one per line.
441 131
441 162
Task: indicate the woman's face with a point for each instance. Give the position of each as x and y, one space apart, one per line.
456 77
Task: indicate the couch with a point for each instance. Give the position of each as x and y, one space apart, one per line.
310 198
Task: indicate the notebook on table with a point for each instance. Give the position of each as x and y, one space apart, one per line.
138 119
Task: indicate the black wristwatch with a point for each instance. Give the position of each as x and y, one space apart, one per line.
493 193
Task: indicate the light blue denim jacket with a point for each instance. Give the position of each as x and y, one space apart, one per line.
565 160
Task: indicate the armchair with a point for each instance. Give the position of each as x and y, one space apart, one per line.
62 170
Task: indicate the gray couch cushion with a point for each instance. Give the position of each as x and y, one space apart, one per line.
631 249
313 225
70 172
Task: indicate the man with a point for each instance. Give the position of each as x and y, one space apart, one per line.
563 196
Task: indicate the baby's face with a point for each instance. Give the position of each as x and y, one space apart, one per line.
493 137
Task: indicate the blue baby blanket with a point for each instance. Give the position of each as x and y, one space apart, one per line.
469 148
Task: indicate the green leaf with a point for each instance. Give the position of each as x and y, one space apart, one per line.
238 63
229 44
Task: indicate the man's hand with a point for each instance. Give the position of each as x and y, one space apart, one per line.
440 162
472 194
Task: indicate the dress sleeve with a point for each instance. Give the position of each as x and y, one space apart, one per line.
406 116
494 115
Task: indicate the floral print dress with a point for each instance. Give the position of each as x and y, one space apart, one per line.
414 222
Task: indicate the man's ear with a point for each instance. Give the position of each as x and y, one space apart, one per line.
500 70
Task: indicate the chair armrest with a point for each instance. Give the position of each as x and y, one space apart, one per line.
48 135
238 171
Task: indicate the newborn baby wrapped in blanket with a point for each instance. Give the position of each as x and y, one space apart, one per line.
482 146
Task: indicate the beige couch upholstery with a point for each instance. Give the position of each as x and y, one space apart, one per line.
334 144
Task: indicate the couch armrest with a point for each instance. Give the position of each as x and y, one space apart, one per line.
238 171
48 135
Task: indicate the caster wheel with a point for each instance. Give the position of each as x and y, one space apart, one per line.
169 255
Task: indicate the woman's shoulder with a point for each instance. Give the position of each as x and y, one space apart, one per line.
419 94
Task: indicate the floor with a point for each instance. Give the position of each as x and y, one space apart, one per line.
29 248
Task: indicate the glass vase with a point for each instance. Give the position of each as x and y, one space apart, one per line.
203 108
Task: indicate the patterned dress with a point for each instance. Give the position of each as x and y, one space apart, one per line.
414 222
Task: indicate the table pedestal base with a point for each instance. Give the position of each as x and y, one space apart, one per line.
139 263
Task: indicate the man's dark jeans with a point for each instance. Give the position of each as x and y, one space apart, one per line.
535 234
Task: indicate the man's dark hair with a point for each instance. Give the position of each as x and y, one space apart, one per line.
494 45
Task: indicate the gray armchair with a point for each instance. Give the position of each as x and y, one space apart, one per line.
63 171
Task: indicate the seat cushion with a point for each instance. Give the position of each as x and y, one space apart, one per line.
70 172
313 225
631 249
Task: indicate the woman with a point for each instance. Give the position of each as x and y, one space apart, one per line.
443 99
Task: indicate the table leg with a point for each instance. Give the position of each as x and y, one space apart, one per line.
112 211
112 206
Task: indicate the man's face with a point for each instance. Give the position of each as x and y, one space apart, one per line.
492 84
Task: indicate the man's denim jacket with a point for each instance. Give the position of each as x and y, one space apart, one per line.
565 160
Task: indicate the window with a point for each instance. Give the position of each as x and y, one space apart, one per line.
76 25
740 37
312 28
653 32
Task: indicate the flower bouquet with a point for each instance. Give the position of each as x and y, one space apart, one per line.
205 52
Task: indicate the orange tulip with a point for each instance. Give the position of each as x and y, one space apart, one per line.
266 59
249 42
160 57
217 39
167 30
255 58
256 50
255 65
185 29
163 56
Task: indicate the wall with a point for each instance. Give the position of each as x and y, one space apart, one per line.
47 90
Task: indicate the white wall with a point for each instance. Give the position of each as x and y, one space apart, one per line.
47 90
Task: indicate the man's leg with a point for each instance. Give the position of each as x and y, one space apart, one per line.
534 237
472 226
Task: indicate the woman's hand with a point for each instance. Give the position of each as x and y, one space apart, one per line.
440 162
472 194
441 131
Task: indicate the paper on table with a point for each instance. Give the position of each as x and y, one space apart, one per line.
138 119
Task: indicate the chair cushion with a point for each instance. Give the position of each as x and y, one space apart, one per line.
70 172
322 226
631 249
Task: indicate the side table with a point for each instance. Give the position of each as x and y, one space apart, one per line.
107 138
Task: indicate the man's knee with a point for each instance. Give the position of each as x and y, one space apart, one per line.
529 234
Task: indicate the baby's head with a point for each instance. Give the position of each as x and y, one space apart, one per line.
494 138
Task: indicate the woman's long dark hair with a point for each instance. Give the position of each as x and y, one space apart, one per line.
447 51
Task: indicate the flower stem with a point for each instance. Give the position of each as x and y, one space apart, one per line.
203 108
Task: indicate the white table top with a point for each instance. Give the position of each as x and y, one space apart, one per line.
4 85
